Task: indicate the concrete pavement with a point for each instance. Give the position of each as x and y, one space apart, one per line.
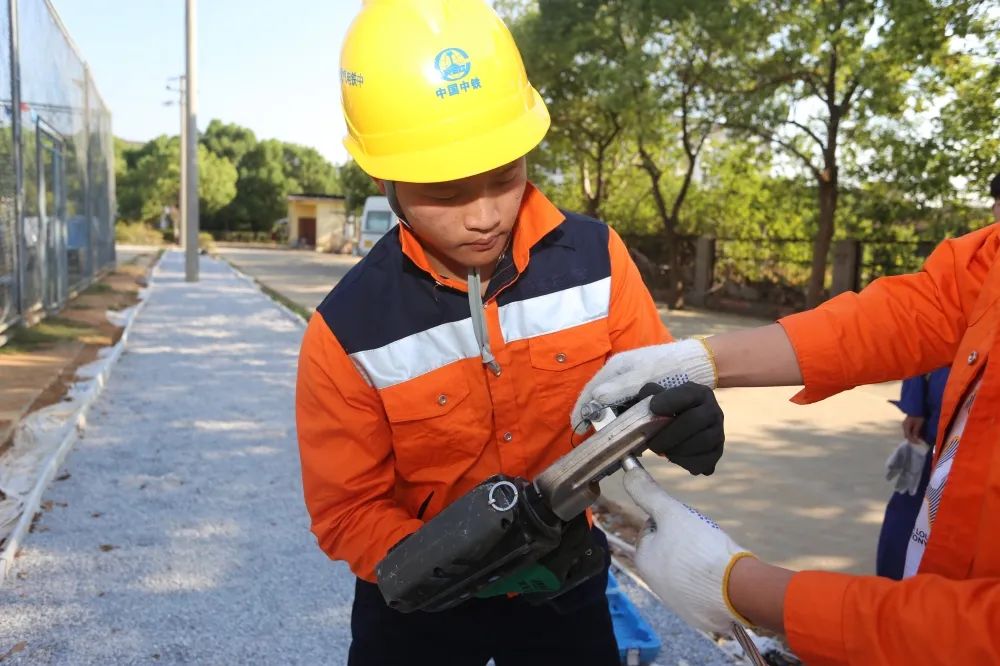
125 253
303 276
801 486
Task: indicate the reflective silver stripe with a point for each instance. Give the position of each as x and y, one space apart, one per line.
556 311
418 354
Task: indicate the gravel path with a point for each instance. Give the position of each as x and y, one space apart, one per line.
177 533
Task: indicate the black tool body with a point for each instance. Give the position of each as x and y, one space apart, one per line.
497 528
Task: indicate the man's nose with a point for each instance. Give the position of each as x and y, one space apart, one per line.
483 215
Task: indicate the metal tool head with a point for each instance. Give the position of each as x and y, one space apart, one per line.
569 484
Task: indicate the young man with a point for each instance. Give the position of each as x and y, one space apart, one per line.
946 610
453 351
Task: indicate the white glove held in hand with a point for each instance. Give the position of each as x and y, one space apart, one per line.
907 461
668 365
685 557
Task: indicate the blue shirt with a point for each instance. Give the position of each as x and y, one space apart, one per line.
922 396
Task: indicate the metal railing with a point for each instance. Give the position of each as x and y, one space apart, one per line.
776 270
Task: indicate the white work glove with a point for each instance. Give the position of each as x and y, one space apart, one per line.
906 463
685 557
619 381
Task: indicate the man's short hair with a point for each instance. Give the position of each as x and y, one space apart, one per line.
995 187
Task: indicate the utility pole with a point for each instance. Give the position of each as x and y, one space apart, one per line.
191 225
182 203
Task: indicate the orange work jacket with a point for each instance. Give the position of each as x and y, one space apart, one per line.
949 613
397 415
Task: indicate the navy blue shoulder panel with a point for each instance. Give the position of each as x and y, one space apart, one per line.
385 297
573 254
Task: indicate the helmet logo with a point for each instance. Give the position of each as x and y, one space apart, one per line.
453 64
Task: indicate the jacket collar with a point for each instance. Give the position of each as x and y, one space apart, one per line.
536 218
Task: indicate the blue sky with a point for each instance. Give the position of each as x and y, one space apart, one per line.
270 66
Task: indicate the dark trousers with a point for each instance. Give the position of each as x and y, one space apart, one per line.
897 528
573 630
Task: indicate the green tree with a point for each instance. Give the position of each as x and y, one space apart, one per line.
262 188
676 107
356 186
149 182
216 181
152 183
817 75
228 140
628 88
307 171
573 60
955 148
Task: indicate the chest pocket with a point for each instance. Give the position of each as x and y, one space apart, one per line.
562 363
438 422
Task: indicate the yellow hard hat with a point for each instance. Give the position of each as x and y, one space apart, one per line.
435 90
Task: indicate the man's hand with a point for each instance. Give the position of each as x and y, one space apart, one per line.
694 438
684 556
668 365
912 426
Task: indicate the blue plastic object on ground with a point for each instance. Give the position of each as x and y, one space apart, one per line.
637 642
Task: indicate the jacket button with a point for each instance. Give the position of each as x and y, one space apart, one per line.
560 358
973 356
507 436
442 399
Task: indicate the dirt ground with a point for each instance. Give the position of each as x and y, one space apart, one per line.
39 363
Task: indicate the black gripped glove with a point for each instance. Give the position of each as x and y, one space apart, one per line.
694 439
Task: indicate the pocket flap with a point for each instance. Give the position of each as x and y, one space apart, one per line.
433 394
567 349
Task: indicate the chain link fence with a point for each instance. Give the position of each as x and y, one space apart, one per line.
57 184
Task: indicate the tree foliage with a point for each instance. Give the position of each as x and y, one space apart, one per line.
817 77
228 140
721 117
243 183
150 180
357 186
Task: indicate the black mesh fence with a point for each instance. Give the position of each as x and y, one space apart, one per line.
57 202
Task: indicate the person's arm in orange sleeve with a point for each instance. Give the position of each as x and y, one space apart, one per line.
829 618
632 316
345 444
926 619
895 328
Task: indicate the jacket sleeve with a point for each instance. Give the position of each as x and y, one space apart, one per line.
871 621
913 396
896 327
632 315
345 445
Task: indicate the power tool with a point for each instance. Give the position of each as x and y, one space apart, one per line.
510 534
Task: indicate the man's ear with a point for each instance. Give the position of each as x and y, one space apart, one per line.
380 184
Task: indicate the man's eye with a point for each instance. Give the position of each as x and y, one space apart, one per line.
441 196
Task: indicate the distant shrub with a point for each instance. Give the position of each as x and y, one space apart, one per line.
137 233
